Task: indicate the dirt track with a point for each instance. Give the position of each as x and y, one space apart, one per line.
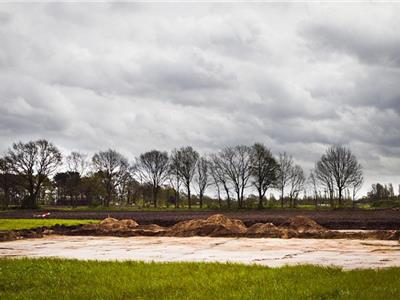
337 219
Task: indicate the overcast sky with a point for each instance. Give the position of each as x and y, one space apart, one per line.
297 77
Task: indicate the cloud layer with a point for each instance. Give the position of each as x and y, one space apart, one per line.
136 77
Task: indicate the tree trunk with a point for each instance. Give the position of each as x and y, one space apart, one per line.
219 197
176 199
238 200
201 199
155 192
260 199
282 197
228 196
189 200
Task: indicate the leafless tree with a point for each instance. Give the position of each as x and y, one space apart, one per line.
202 178
220 177
263 170
113 167
296 183
153 167
285 163
357 184
173 176
186 159
340 167
34 161
77 162
325 179
313 183
235 162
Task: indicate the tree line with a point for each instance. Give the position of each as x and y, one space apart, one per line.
36 170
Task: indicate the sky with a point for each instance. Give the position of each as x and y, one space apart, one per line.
136 77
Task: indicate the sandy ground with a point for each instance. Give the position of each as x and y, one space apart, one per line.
348 254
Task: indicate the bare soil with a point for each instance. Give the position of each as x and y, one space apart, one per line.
384 219
216 225
347 254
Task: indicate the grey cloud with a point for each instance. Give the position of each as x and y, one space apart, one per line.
369 47
136 77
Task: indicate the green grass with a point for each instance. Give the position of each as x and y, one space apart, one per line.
72 279
14 224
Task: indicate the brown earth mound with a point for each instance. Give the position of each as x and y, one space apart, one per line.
111 223
303 224
114 227
215 225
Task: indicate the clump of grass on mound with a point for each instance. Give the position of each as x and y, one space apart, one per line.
73 279
15 224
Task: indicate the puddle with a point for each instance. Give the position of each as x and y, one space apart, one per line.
272 252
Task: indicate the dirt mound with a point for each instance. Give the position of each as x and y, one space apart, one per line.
108 221
114 224
149 230
8 236
303 224
129 223
263 230
269 230
215 225
114 227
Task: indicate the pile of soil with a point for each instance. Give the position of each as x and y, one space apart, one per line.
216 225
114 224
114 227
269 230
335 219
303 224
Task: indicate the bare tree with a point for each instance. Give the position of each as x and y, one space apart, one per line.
77 162
340 167
186 159
220 177
235 163
174 177
202 178
325 179
153 167
263 170
296 183
285 163
34 161
113 167
313 182
357 184
216 183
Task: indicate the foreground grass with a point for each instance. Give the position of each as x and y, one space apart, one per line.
72 279
14 224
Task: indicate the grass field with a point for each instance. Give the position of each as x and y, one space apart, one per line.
72 279
194 207
14 224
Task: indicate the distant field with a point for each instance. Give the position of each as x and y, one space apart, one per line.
332 219
14 224
171 208
72 279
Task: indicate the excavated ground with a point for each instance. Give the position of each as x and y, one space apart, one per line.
348 254
214 226
382 219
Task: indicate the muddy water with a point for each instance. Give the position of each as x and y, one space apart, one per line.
348 254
